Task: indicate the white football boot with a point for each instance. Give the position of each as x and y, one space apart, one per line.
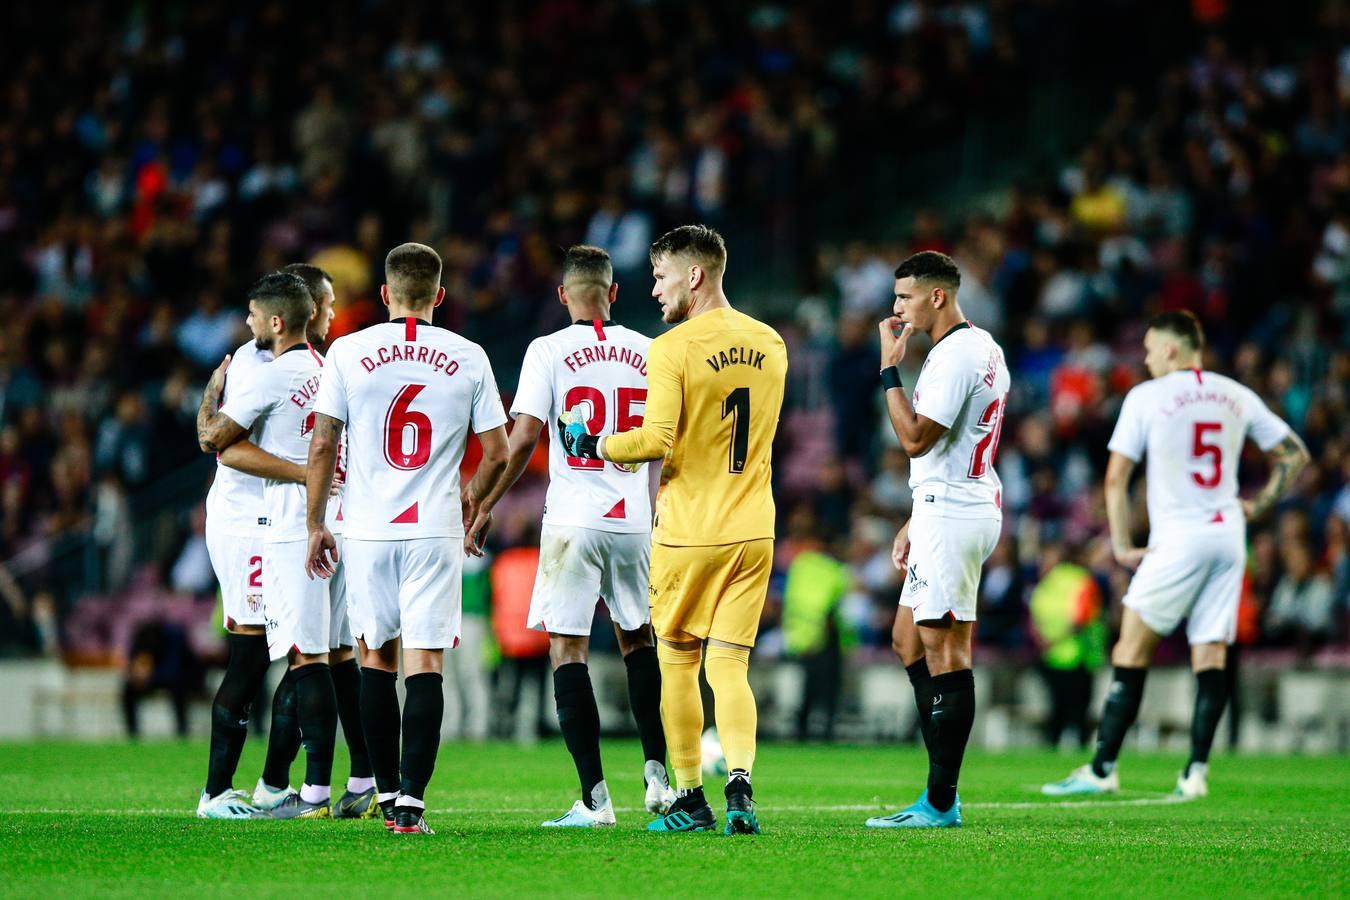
582 816
1193 782
267 798
228 804
660 795
1083 781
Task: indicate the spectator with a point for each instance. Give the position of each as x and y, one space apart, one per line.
1066 619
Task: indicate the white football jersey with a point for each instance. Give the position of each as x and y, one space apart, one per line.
1191 425
234 505
276 402
409 392
963 385
601 369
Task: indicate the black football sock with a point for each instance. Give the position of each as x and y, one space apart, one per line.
1122 707
380 722
922 683
644 696
579 721
244 674
423 709
347 686
949 730
283 739
1211 695
316 705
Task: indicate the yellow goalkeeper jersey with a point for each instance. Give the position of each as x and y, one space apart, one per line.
714 392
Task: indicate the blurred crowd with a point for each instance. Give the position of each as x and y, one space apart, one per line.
154 161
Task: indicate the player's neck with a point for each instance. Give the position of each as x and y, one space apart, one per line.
589 314
948 317
1191 364
283 343
713 299
403 312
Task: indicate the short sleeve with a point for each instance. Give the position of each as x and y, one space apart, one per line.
247 397
332 398
943 388
487 402
534 393
1130 437
1264 427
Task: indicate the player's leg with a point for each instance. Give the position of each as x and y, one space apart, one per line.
316 710
947 646
238 566
638 647
735 626
283 745
429 585
624 587
381 719
566 589
907 644
358 800
1211 627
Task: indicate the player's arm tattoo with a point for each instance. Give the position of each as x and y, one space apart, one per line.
1287 459
215 431
322 462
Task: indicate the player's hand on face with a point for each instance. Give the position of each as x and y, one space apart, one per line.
894 338
1130 557
322 556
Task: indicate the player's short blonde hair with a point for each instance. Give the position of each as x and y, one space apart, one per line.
699 243
588 266
413 273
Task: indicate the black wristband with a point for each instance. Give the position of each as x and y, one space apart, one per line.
890 378
588 446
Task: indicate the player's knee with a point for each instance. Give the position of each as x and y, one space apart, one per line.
727 667
634 640
564 650
671 655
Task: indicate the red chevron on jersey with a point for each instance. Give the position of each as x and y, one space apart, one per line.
407 517
617 512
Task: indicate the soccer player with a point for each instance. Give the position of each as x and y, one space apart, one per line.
283 739
276 401
715 388
1191 424
596 537
234 537
407 393
950 433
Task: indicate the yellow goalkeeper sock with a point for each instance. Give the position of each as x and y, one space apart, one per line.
682 713
728 671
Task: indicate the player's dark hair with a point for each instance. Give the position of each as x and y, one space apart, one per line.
585 263
929 265
1182 323
285 295
700 242
413 273
311 275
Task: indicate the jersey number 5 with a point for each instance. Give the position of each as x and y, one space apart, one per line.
398 421
624 417
987 448
1200 450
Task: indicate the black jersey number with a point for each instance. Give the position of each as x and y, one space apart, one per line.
737 405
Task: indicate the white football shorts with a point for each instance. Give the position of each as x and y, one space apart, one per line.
1196 576
238 564
303 614
409 588
946 557
577 567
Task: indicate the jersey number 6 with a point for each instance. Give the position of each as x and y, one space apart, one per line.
397 422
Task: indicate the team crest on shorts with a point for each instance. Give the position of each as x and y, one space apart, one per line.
254 602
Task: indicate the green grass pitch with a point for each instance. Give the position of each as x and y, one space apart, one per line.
118 820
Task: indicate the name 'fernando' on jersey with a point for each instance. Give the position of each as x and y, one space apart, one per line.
601 369
409 392
963 385
1191 425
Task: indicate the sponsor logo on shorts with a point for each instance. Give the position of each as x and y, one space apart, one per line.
915 583
254 602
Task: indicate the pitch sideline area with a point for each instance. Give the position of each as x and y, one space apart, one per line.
117 820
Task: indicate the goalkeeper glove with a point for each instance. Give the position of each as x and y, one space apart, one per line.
576 440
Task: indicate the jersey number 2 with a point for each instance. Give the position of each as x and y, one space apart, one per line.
624 417
397 422
1200 450
987 448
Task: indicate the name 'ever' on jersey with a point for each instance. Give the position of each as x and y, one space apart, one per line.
600 369
963 386
408 392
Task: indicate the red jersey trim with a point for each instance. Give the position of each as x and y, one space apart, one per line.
410 328
599 329
314 353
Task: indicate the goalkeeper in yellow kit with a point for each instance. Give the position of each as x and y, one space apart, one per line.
714 392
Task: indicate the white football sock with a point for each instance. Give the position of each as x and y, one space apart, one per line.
360 785
315 793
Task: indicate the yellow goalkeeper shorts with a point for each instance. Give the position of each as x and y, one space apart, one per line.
710 592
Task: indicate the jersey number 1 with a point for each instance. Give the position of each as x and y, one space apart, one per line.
737 405
397 422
